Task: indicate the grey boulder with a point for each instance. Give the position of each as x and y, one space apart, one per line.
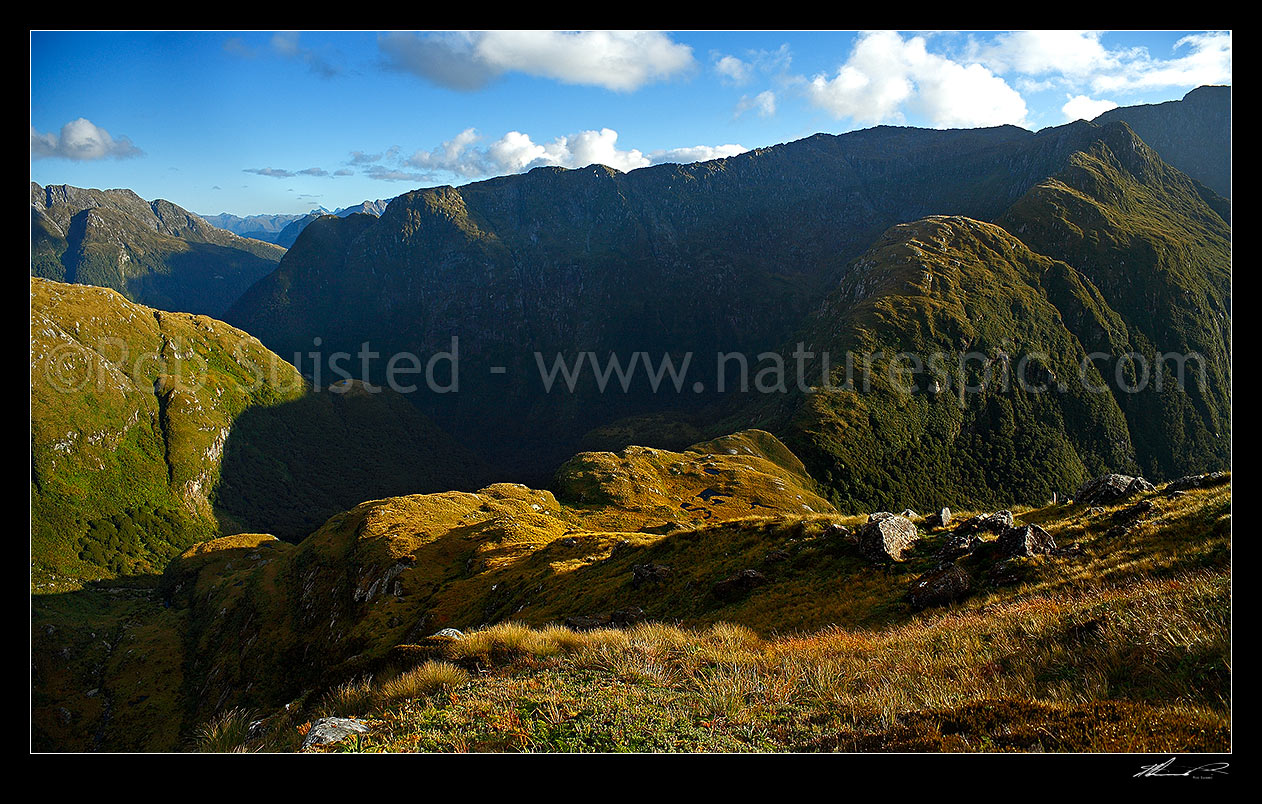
329 730
1026 540
887 539
1110 488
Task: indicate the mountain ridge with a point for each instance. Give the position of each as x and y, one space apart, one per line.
723 256
154 252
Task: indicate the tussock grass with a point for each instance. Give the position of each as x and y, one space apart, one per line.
226 733
349 698
423 680
368 694
1122 644
1141 666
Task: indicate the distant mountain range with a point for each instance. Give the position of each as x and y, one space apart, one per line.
272 228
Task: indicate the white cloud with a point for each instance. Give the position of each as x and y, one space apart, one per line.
733 69
736 70
764 103
886 75
1080 60
1080 107
696 153
1069 53
952 95
516 151
1207 60
615 60
453 156
81 140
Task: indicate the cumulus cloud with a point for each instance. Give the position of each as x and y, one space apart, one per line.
516 151
1205 59
453 156
885 76
733 69
468 155
736 70
1070 53
616 60
1080 107
764 103
1079 59
81 140
696 153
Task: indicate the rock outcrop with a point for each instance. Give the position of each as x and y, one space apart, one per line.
887 538
330 730
1026 540
1110 488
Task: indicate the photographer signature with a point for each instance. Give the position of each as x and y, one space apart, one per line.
1199 772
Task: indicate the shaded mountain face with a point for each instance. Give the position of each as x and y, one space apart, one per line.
153 430
722 256
152 252
732 256
1192 134
966 384
1160 256
286 237
1090 332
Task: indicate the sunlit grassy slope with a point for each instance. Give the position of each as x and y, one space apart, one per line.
1123 646
1128 632
153 430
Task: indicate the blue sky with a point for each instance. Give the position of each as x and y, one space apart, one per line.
280 122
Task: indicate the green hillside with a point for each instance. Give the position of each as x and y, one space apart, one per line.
154 253
153 430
